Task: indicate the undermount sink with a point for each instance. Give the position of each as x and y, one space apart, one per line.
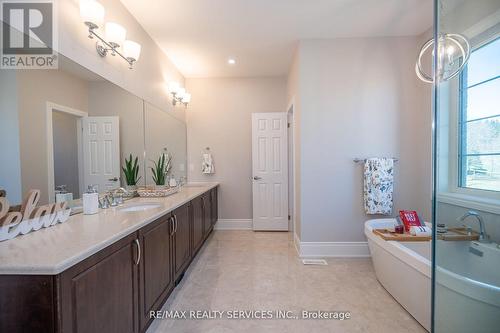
138 207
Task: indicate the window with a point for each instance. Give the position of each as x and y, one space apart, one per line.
479 151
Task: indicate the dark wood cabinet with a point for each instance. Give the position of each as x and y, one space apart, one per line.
115 289
156 278
214 205
27 303
207 214
181 239
198 223
100 294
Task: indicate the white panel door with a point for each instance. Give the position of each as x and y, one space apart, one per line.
101 152
270 171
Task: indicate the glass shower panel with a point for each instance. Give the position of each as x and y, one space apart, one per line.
466 279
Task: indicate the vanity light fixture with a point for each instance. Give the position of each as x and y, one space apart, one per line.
231 61
179 94
92 14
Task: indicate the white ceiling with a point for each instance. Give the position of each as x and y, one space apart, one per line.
200 35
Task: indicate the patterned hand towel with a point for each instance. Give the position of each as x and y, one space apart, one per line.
378 185
207 165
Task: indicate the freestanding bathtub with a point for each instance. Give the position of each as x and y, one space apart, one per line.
468 280
404 269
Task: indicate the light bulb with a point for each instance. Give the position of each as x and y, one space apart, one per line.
115 34
131 50
173 87
186 99
92 13
180 93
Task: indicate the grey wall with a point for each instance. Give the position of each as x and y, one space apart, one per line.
359 98
164 131
64 128
219 117
10 170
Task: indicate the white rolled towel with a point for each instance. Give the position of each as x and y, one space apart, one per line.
420 231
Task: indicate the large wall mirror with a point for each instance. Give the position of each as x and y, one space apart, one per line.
66 129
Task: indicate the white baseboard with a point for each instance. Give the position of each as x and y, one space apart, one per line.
233 224
333 249
296 242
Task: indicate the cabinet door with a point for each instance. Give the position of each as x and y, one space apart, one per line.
198 227
214 206
182 248
155 275
100 293
207 215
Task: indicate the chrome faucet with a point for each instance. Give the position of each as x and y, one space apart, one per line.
104 202
483 237
117 196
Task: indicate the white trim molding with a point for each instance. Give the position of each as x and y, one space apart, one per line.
296 242
333 249
233 224
469 201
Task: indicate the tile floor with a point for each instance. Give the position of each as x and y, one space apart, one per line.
245 270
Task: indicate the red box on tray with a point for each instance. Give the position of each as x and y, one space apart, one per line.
409 218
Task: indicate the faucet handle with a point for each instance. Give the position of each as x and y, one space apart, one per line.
104 202
469 229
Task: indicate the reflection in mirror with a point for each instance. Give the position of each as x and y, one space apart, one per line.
65 129
66 169
165 135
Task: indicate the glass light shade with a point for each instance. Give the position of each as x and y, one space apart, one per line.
173 87
186 98
92 12
131 50
181 92
115 33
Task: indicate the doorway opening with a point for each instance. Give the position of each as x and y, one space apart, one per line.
64 149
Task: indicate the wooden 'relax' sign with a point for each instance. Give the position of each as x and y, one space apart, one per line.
30 217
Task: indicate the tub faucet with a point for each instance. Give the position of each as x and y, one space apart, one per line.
483 237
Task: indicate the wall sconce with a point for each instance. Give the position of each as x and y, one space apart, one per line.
92 14
179 94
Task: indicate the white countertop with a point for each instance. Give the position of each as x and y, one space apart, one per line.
52 250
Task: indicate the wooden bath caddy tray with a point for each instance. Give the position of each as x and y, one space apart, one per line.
458 234
392 236
453 234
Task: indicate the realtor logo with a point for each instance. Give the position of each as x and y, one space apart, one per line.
28 34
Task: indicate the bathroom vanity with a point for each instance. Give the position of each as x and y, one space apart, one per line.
104 272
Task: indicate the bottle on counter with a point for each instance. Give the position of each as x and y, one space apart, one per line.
172 182
90 201
62 194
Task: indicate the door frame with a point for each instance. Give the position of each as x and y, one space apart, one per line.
290 110
50 108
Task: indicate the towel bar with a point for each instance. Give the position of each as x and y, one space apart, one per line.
359 160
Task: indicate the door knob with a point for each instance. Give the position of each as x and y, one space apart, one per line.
257 178
113 179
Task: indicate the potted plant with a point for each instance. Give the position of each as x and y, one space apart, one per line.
159 172
131 172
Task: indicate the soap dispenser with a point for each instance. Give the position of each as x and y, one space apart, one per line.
90 201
